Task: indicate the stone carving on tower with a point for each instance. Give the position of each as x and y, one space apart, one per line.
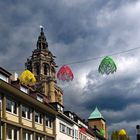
42 64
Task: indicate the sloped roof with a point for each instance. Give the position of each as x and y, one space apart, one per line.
96 114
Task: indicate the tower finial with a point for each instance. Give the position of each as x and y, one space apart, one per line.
41 27
42 42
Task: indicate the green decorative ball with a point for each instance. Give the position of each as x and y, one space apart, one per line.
107 66
102 132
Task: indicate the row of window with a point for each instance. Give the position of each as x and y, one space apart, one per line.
82 137
12 107
22 88
73 132
13 134
5 78
37 68
66 130
25 90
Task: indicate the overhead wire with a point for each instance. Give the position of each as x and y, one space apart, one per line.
94 58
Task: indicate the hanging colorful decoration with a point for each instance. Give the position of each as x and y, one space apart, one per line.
65 73
107 66
102 132
27 78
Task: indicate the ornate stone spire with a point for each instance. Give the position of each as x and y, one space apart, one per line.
42 43
42 65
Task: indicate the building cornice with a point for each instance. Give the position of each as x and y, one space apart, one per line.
9 90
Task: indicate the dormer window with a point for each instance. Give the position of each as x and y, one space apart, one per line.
39 98
61 109
58 107
72 117
3 77
24 89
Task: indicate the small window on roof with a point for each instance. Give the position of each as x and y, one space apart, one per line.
61 109
58 106
24 89
3 77
39 98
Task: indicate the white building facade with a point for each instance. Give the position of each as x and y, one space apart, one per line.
68 129
64 129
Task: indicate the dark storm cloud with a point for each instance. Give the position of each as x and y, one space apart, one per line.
112 94
69 24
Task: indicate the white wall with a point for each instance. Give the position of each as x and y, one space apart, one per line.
60 135
76 130
74 127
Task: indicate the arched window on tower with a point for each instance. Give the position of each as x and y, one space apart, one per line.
37 68
46 69
53 71
39 44
44 45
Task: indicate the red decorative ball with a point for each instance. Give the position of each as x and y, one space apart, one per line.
65 73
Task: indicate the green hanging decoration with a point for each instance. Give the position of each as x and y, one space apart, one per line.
102 132
107 66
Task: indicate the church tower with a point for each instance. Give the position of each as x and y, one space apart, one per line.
43 66
96 119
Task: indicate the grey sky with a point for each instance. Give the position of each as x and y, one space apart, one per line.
77 30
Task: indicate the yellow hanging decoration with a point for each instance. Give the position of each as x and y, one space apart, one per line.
27 78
